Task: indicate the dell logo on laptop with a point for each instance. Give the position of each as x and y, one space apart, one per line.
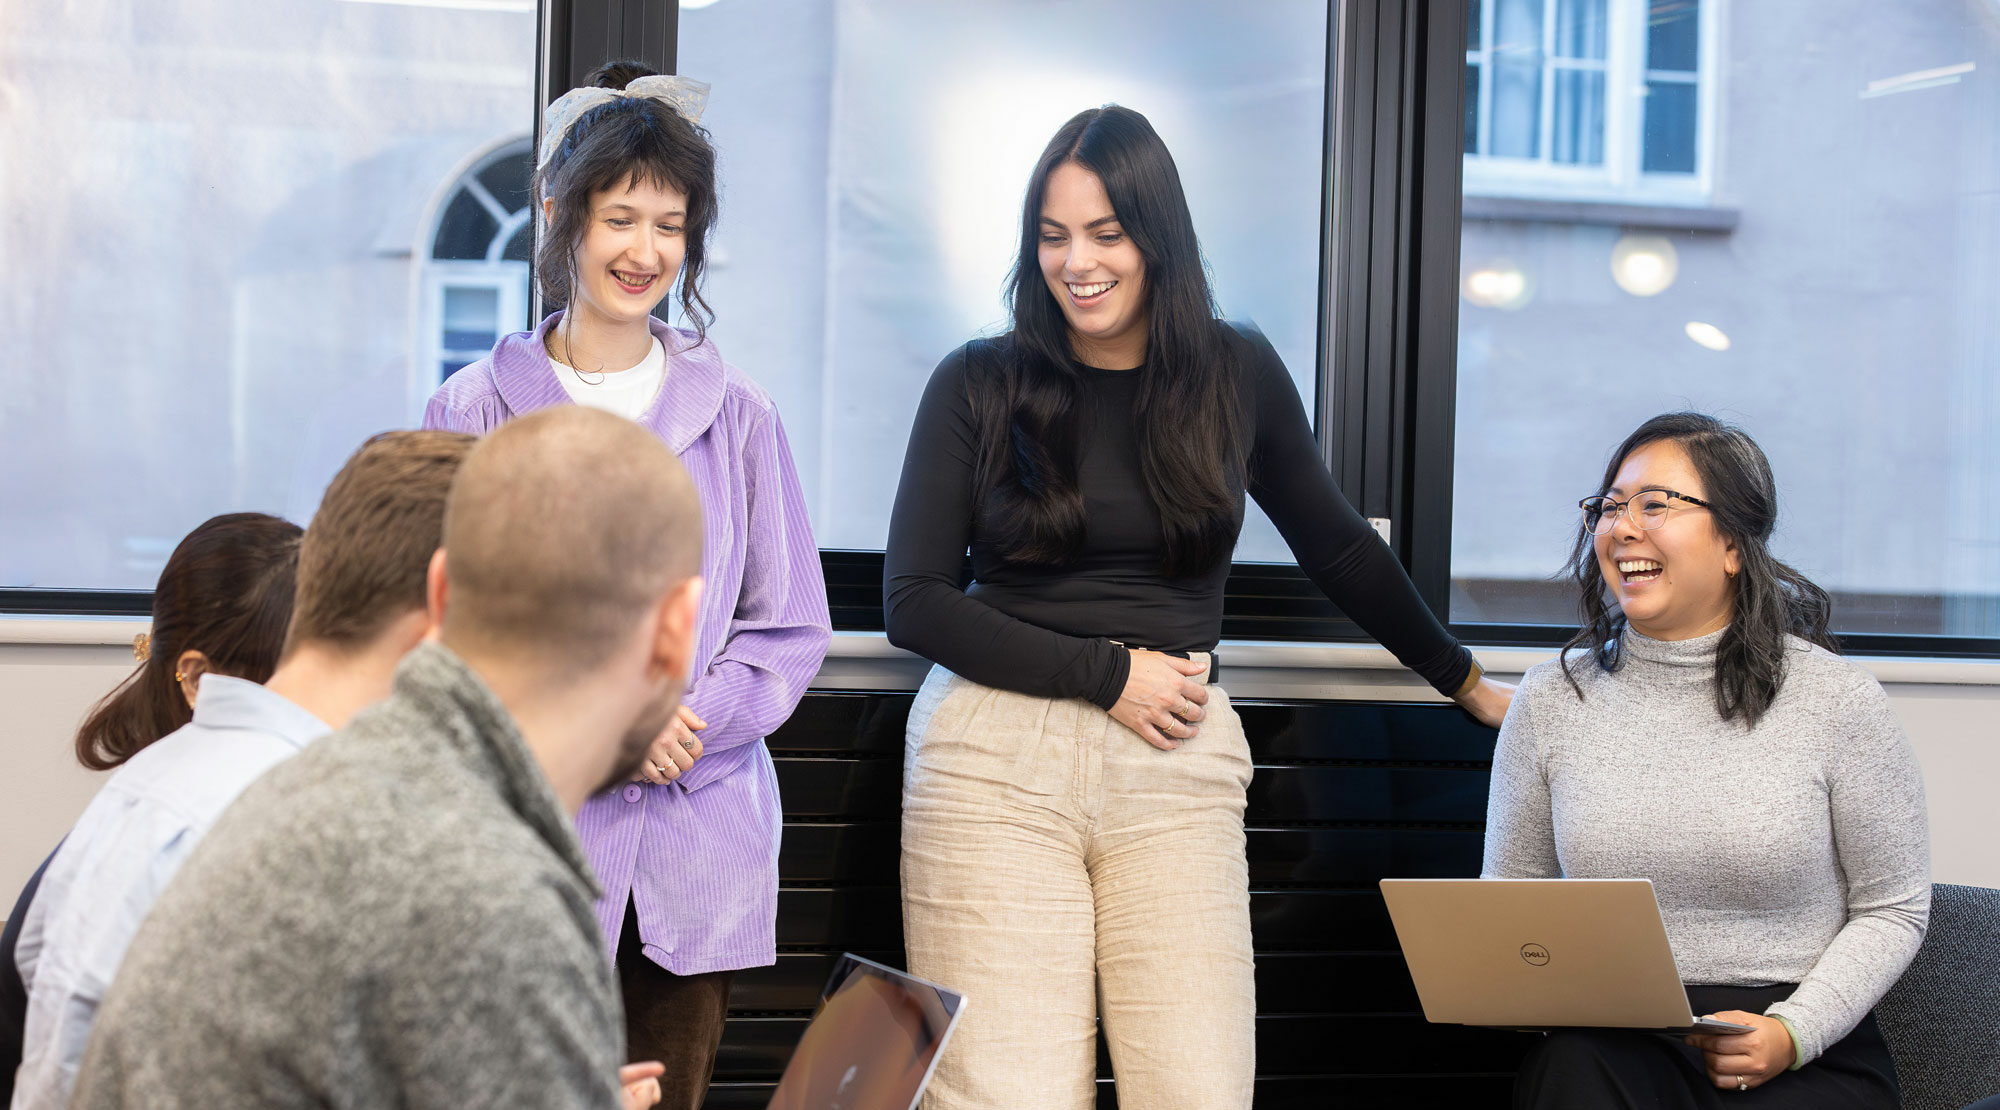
1535 954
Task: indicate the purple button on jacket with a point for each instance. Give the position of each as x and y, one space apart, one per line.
698 859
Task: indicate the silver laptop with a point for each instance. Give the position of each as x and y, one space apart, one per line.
1542 954
873 1042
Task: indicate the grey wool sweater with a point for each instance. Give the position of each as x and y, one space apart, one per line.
400 916
1797 851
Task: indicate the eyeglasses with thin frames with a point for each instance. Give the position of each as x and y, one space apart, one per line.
1648 509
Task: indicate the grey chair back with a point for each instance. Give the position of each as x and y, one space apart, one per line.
1942 1020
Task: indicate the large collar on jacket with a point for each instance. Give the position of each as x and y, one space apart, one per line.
687 405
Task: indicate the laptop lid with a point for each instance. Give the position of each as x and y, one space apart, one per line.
1539 953
872 1044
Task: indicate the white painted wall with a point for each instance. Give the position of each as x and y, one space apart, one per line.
1952 713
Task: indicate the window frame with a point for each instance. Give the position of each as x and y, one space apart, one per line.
512 280
1622 178
1393 193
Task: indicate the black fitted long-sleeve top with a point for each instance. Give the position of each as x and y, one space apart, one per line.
1050 631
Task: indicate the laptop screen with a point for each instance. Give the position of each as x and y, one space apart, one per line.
873 1043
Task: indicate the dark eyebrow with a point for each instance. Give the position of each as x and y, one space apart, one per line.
629 208
1096 223
1640 490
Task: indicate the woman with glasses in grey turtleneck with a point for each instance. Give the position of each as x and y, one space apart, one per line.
1700 732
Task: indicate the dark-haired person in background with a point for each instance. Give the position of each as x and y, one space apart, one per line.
220 607
1700 732
359 609
688 851
1074 789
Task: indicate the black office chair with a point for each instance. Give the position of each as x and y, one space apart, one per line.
1942 1021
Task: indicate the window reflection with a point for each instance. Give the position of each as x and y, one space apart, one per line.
1830 288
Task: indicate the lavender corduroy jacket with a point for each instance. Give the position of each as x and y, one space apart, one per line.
698 859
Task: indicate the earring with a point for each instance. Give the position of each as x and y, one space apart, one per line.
179 677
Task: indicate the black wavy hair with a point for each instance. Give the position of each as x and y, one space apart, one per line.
629 139
1771 600
1190 439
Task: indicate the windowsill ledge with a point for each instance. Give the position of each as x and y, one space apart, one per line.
1334 672
1251 668
1663 217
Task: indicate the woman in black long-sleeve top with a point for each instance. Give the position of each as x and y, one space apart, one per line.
1074 787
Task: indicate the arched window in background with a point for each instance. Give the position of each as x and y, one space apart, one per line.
476 279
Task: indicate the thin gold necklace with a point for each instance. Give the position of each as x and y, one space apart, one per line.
548 345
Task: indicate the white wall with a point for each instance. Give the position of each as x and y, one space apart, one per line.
46 688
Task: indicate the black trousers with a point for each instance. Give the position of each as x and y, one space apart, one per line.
675 1019
1616 1069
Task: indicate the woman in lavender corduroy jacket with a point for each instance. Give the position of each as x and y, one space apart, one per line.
688 856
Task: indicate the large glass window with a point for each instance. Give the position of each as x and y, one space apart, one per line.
237 244
1845 315
874 154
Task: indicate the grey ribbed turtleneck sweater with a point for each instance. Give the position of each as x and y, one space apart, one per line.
1797 851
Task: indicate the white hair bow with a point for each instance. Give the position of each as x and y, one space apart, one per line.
684 95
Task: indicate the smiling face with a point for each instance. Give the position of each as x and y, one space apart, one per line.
1672 582
634 239
1093 270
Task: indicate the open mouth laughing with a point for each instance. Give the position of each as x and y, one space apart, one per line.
1634 571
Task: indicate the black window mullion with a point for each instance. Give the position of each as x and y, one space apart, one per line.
1394 262
573 37
1438 162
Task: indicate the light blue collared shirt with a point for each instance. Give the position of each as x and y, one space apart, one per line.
135 834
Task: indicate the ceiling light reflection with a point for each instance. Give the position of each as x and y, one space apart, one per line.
1921 79
1498 284
1708 335
1644 265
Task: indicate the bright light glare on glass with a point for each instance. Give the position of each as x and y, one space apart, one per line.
1708 335
1498 284
1644 265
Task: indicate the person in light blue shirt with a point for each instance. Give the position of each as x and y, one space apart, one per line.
359 608
220 606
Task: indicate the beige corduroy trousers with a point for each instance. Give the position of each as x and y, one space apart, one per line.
1058 869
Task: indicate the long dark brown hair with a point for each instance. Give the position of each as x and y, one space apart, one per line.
1190 441
631 139
1771 599
226 592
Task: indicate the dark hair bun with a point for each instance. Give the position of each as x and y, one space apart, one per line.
617 75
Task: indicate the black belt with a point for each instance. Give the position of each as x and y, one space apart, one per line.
1214 664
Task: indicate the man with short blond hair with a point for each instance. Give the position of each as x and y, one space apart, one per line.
359 608
403 916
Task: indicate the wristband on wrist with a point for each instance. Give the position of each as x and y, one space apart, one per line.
1472 678
1797 1059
